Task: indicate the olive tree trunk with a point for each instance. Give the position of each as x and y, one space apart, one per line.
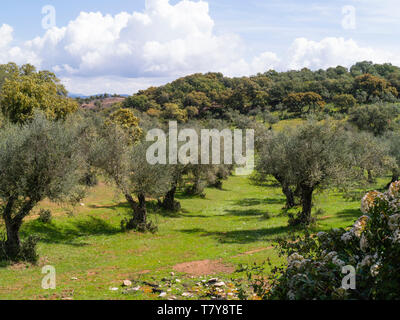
287 191
169 199
138 208
13 225
306 197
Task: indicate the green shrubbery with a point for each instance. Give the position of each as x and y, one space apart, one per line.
371 247
45 216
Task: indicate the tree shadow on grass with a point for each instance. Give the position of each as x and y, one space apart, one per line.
69 233
115 207
241 236
245 213
249 202
349 213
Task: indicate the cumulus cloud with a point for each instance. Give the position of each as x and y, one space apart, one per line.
163 40
5 35
99 52
331 52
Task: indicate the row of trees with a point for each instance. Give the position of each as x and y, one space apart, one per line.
46 158
318 155
213 95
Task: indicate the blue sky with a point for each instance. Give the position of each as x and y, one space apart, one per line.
94 47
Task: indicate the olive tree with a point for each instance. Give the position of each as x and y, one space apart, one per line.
376 118
313 155
274 159
40 159
371 155
393 141
124 162
320 158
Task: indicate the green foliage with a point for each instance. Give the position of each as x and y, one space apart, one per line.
369 88
344 102
126 120
45 216
41 159
24 90
371 247
296 102
314 155
212 95
375 118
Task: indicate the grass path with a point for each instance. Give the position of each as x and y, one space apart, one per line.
90 247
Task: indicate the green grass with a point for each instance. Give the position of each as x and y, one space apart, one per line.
89 245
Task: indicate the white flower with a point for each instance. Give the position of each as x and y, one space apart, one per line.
368 201
396 236
347 236
294 257
330 256
359 226
367 261
394 222
375 269
338 262
363 243
394 189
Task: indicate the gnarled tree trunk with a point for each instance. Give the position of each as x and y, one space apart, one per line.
138 208
13 225
169 199
287 191
141 212
306 197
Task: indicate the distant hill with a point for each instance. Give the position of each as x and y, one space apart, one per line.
82 96
98 104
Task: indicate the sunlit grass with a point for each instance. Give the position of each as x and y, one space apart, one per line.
88 244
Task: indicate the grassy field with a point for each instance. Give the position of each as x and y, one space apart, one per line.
91 254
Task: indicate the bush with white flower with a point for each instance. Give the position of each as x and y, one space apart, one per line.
371 246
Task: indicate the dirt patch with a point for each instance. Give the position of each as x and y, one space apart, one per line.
325 217
204 267
144 272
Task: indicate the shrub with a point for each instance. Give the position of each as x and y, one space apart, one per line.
45 216
27 251
371 246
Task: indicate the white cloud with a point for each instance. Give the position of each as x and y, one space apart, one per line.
164 40
331 52
110 84
5 35
122 53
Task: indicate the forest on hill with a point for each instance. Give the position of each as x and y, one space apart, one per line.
292 93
